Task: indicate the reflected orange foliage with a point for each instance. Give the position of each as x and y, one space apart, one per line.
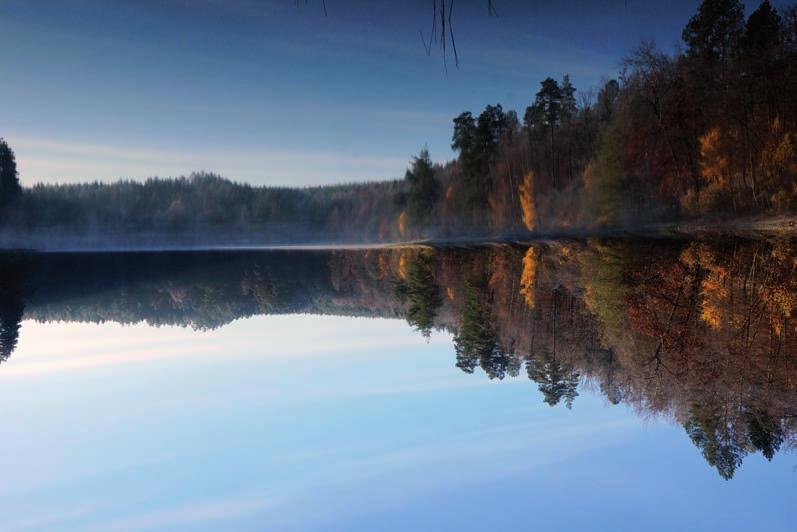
403 262
528 277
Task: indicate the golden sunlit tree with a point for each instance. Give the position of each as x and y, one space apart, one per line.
715 173
527 201
778 161
402 223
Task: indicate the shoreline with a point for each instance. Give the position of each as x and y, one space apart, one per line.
748 228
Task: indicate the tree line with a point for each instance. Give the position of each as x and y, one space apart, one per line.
707 132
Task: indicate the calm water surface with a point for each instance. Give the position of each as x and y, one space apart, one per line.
597 385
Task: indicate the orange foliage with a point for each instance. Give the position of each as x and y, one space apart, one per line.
402 223
715 288
713 163
402 269
711 311
526 190
778 159
529 277
714 171
590 299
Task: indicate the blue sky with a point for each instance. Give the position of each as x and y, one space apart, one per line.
267 92
311 423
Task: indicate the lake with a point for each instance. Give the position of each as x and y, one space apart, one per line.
616 385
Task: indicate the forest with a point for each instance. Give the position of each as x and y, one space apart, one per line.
708 133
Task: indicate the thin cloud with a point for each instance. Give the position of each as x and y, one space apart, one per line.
193 513
57 160
44 520
89 346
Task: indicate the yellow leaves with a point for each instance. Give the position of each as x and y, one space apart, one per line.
785 152
527 206
715 288
403 262
590 298
716 146
782 253
777 326
402 223
529 277
733 289
784 300
713 164
711 315
690 256
778 160
450 293
781 149
732 171
714 293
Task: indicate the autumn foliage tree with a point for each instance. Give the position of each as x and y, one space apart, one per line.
704 133
527 199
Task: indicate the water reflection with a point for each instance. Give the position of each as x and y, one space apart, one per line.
12 282
702 333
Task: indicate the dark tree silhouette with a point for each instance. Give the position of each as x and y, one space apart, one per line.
569 104
713 34
11 311
765 433
763 31
719 445
12 275
421 293
544 115
477 140
9 178
476 339
606 99
424 188
556 381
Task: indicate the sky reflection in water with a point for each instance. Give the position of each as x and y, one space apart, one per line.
305 422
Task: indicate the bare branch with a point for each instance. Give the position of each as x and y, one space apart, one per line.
451 34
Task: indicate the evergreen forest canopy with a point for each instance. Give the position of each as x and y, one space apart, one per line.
707 133
701 333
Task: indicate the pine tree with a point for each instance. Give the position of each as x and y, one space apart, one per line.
9 178
713 34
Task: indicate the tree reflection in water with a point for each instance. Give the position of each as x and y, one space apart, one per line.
12 284
701 333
